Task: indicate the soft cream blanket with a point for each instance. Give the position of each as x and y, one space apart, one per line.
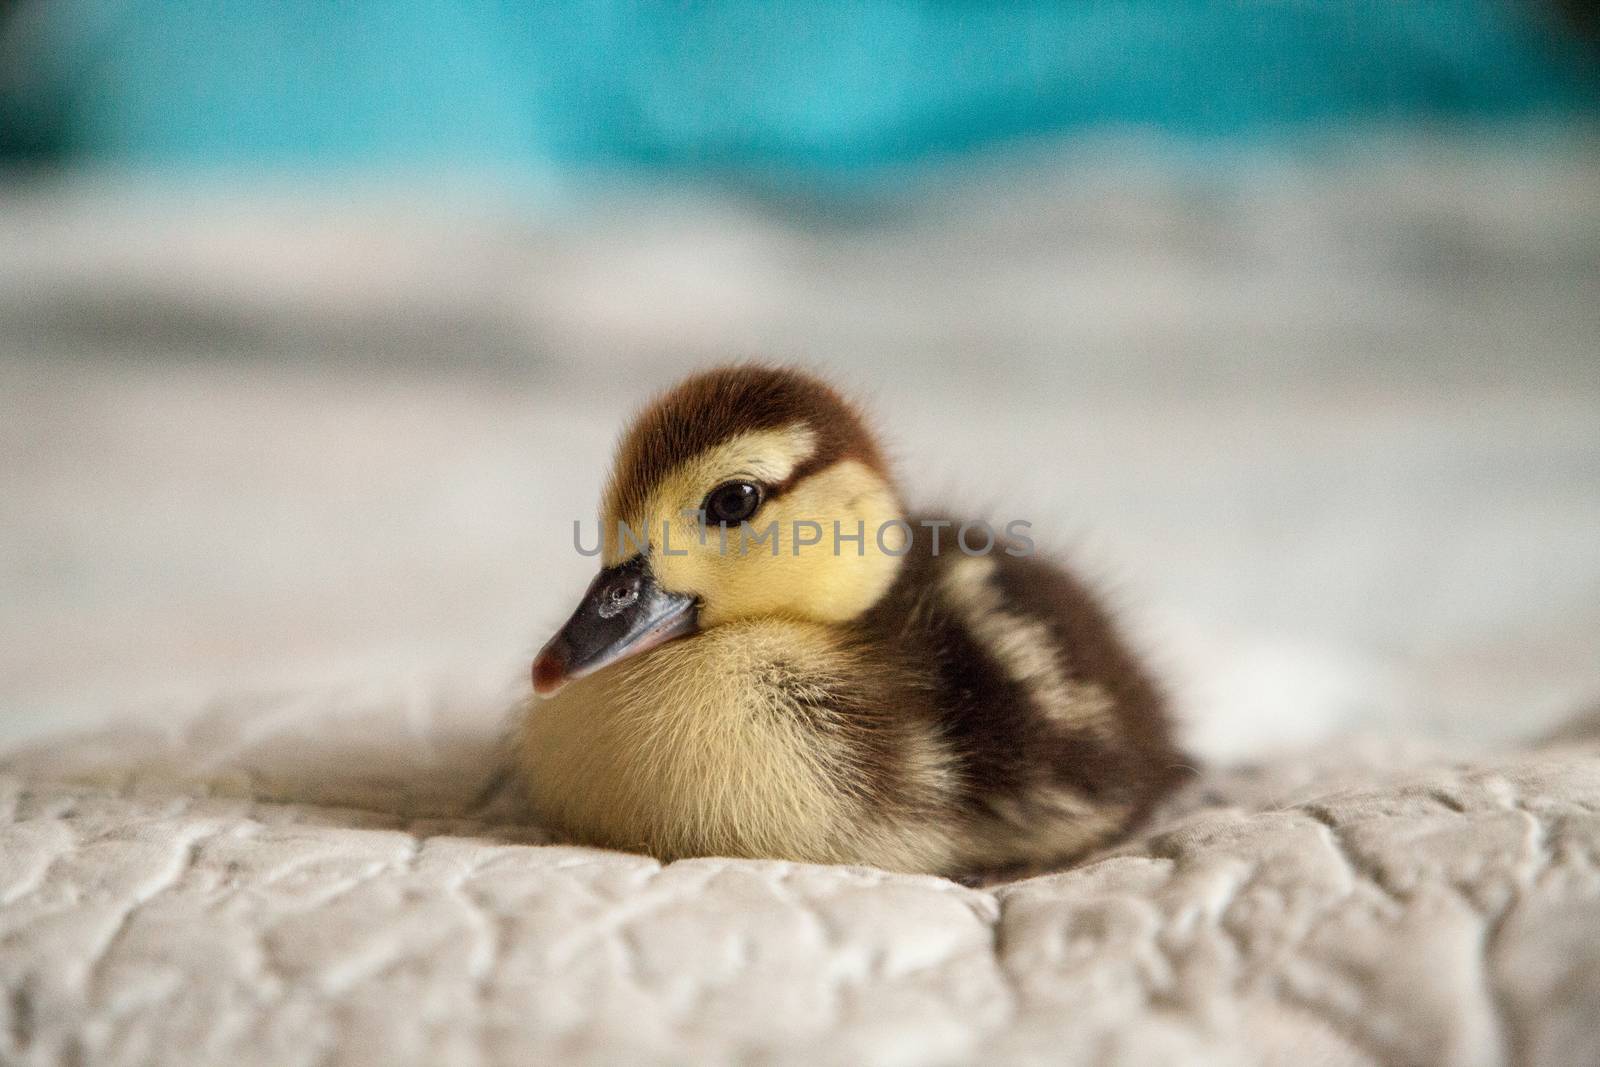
310 881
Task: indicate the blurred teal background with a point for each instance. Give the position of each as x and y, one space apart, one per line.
813 88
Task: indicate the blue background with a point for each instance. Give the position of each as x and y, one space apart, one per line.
823 88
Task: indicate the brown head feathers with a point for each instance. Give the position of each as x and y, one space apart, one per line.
718 405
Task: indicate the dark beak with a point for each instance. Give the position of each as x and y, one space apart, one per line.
623 613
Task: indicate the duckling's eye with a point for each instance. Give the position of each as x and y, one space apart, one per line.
731 503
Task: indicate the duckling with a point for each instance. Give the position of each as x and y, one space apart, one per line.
778 660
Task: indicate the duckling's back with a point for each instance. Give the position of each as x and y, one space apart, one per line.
1053 737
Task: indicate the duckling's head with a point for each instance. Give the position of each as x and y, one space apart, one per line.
743 492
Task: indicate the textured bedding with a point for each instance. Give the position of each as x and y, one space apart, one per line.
321 880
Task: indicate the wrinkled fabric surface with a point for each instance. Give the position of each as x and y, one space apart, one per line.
324 879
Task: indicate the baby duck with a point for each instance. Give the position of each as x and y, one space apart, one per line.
777 660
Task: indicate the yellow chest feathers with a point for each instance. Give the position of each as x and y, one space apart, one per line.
694 750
